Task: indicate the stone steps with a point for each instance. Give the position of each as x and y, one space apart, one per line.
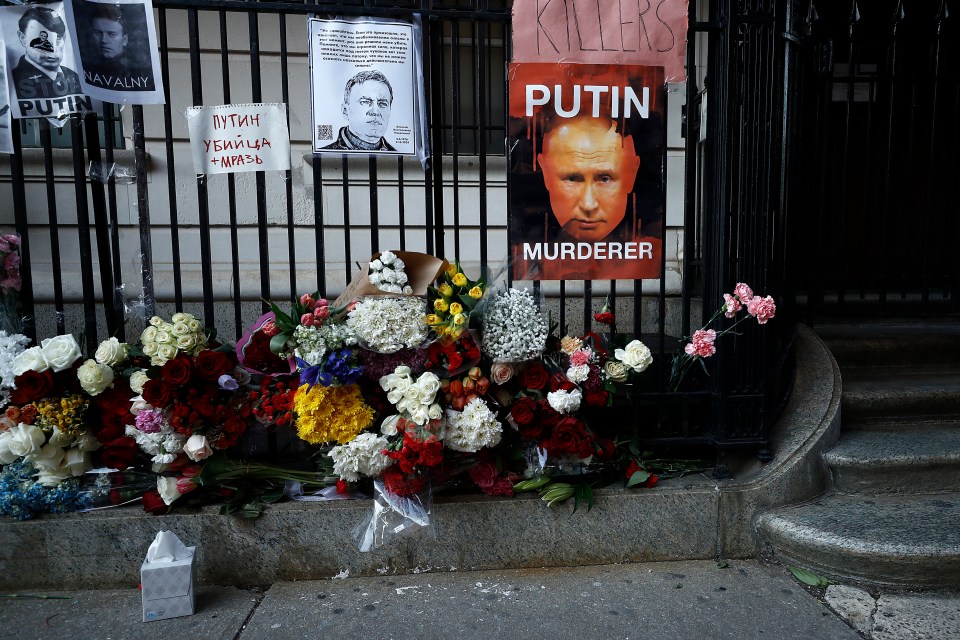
911 540
892 512
923 460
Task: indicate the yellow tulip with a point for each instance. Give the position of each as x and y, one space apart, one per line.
456 332
446 290
452 269
459 319
433 319
459 279
455 308
476 293
441 305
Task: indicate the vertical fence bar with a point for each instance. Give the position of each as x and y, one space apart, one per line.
288 174
483 38
54 224
347 252
171 164
889 169
109 143
318 228
932 205
401 209
256 89
231 186
98 197
455 130
374 206
148 295
436 75
206 258
83 236
22 224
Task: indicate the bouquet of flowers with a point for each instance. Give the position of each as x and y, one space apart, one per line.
514 330
10 283
452 299
163 340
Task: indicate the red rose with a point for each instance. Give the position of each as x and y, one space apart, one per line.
31 386
604 318
570 436
548 415
524 411
502 486
176 371
119 453
532 431
157 393
596 398
342 486
212 364
632 468
534 376
559 382
606 449
153 503
484 474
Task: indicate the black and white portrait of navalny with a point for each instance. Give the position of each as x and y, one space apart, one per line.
41 70
116 47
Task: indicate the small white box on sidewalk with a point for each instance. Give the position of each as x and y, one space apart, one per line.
167 578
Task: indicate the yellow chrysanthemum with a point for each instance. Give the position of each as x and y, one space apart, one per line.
328 414
459 279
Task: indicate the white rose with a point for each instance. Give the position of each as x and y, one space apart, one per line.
187 342
78 462
31 359
157 321
137 380
61 351
168 489
112 352
167 352
388 428
429 384
435 412
197 448
180 329
420 415
87 442
636 356
194 325
165 337
402 370
50 456
376 265
181 317
501 373
616 370
413 394
150 348
52 476
60 439
94 378
26 440
149 335
401 385
7 456
163 458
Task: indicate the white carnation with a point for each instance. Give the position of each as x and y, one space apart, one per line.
473 428
578 373
386 325
565 401
362 456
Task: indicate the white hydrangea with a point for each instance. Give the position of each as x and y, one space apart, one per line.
362 456
314 342
473 428
11 345
565 401
513 328
386 325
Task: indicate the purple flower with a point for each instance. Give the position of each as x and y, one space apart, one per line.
227 382
149 421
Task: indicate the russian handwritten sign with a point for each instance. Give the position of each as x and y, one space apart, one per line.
231 138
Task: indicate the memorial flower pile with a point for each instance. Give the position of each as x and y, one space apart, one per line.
417 378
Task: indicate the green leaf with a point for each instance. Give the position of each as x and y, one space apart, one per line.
635 447
638 477
252 510
279 341
722 564
808 577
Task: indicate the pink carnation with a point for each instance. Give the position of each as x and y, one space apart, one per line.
702 343
743 291
580 357
762 308
731 305
149 421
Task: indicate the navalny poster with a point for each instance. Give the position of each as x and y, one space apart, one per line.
116 49
587 171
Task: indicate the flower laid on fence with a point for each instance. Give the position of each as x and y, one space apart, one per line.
702 342
10 282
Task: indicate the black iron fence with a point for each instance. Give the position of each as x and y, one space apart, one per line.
312 224
879 158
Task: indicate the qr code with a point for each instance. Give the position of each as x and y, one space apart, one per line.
324 132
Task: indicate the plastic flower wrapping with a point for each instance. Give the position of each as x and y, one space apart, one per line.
418 379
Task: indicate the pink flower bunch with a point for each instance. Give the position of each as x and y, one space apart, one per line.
731 305
320 311
10 267
762 309
150 421
581 357
701 345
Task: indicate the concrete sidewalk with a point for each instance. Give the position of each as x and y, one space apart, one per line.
690 600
